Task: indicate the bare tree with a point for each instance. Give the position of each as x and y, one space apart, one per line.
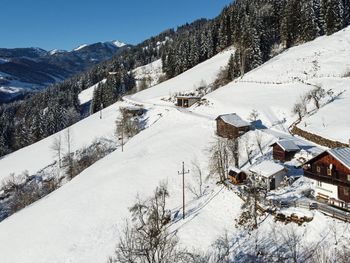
223 249
258 140
248 149
254 115
232 146
317 95
219 159
196 188
126 125
57 148
295 249
253 194
68 142
147 239
300 107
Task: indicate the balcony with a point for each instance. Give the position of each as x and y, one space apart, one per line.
326 179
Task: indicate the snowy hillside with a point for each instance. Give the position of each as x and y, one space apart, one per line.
150 73
93 128
82 220
205 72
276 86
86 95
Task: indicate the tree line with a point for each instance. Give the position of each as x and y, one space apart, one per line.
258 30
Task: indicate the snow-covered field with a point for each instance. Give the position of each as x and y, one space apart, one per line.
80 222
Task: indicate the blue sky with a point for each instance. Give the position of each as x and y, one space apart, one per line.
65 24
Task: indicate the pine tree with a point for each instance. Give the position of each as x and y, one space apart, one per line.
346 5
332 13
231 68
310 29
3 148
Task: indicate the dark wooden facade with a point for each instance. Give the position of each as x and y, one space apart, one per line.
237 177
280 154
229 131
327 169
185 102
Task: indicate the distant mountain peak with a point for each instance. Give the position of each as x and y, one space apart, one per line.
80 47
113 43
56 51
118 43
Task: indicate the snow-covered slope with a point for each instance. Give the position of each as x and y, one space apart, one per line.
188 81
80 222
86 95
150 73
92 127
276 86
37 156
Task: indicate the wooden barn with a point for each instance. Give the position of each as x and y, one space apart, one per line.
186 101
269 173
236 176
330 173
284 150
231 126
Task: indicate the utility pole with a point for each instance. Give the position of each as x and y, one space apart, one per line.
121 138
101 108
183 188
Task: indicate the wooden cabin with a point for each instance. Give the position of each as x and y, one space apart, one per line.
284 150
330 174
269 174
236 176
231 126
186 101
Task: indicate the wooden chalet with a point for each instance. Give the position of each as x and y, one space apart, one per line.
269 174
231 126
186 101
236 176
284 150
330 173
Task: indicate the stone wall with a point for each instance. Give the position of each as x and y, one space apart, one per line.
316 138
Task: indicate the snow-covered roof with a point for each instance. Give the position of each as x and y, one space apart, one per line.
288 145
234 169
234 120
188 97
342 155
267 168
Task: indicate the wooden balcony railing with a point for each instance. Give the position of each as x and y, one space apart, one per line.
326 179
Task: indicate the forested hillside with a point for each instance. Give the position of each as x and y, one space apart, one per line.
258 30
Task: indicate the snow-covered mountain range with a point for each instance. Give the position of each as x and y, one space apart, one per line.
28 69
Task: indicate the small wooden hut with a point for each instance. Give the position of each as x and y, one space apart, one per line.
231 126
186 101
284 150
237 176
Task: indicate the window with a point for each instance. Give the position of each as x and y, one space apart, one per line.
348 177
319 184
318 169
346 191
329 171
